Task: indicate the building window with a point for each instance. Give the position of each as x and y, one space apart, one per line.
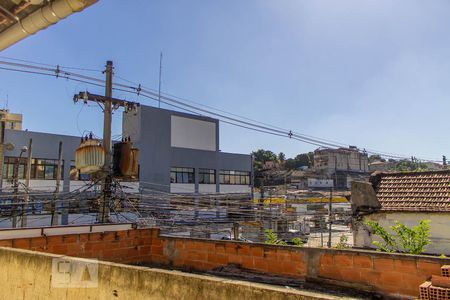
234 177
76 175
40 168
181 175
207 176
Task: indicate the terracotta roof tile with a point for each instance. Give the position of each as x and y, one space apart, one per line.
414 191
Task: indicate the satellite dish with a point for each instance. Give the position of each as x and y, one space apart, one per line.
9 147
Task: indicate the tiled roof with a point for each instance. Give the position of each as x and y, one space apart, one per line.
414 191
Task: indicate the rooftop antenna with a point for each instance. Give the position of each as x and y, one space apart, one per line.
160 71
6 104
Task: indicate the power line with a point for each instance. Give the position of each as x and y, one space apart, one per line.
236 120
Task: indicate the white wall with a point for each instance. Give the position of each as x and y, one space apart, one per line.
193 133
182 188
207 188
50 185
231 188
440 229
314 182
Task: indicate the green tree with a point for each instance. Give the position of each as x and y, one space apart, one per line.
376 157
301 160
409 166
281 157
410 240
262 156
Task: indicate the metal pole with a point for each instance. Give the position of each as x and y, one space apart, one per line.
236 231
2 142
54 220
330 221
107 119
26 196
16 190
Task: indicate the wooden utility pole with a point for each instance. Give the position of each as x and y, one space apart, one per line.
109 103
107 120
54 219
26 196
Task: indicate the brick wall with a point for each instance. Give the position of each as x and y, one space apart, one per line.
127 246
389 274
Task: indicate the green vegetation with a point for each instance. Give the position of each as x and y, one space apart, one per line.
407 166
301 160
262 156
376 157
272 239
409 240
297 241
343 242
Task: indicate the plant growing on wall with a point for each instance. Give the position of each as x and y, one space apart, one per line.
343 242
272 239
297 241
410 240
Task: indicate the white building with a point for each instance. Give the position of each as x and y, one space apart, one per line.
406 197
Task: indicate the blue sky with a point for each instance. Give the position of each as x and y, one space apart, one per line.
372 73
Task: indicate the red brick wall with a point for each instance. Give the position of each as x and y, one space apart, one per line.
128 246
390 274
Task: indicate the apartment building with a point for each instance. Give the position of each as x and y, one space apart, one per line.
342 164
179 153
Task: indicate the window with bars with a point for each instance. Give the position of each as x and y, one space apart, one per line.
206 176
40 168
234 177
182 175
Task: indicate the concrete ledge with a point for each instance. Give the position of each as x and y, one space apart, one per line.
27 275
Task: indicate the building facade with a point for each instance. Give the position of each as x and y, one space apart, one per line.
44 163
179 153
12 121
342 165
409 198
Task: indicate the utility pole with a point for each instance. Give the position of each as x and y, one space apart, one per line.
16 191
2 142
109 103
26 196
54 219
16 187
330 221
107 120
